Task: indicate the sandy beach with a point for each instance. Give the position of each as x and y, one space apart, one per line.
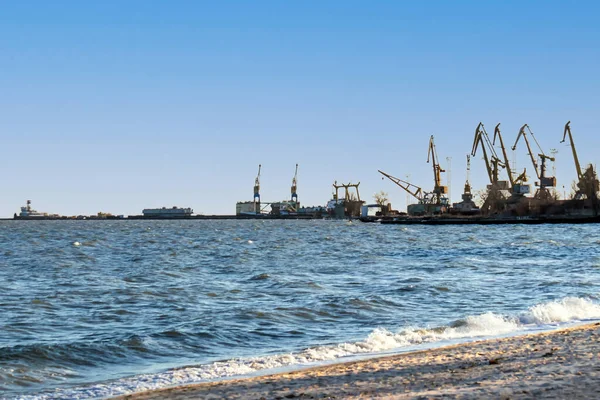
559 364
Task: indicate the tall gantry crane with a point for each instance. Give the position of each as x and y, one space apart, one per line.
517 184
466 206
575 158
467 196
492 162
429 202
529 151
347 195
295 186
587 182
498 135
438 189
495 200
540 171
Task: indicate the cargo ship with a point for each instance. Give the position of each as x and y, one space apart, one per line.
28 212
164 212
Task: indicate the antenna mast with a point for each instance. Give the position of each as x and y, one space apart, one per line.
449 179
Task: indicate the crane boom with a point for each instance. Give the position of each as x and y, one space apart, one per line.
506 162
476 141
533 160
417 192
577 165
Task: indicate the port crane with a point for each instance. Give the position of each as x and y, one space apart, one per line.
540 171
438 189
587 185
429 202
495 200
257 187
467 196
411 189
466 206
295 186
467 183
517 184
346 186
492 162
575 158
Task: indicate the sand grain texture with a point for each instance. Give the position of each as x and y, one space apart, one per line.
560 364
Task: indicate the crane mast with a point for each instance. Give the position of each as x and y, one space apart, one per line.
295 186
467 182
577 165
417 192
257 186
438 189
468 167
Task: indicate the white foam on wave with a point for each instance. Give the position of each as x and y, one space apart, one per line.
567 310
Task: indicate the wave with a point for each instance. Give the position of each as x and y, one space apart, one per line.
539 317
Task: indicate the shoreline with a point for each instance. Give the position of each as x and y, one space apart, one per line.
551 364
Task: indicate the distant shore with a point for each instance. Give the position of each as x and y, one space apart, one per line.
559 364
166 218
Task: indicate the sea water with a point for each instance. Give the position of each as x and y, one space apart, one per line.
92 309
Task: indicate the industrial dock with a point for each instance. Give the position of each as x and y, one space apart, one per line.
505 201
508 198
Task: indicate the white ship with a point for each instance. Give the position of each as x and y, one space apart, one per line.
29 212
164 212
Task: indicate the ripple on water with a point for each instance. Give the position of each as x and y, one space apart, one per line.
152 295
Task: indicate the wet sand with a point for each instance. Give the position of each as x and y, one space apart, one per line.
554 365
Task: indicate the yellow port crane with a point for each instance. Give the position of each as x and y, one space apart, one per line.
517 184
498 135
295 186
587 183
417 192
438 189
544 181
492 162
575 158
347 195
495 200
530 152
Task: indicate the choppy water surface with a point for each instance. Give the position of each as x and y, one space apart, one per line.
98 308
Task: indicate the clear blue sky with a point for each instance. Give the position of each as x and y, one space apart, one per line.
120 105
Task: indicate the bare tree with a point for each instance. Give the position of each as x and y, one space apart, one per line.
381 198
480 197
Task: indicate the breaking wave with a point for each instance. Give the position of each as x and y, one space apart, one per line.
543 316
